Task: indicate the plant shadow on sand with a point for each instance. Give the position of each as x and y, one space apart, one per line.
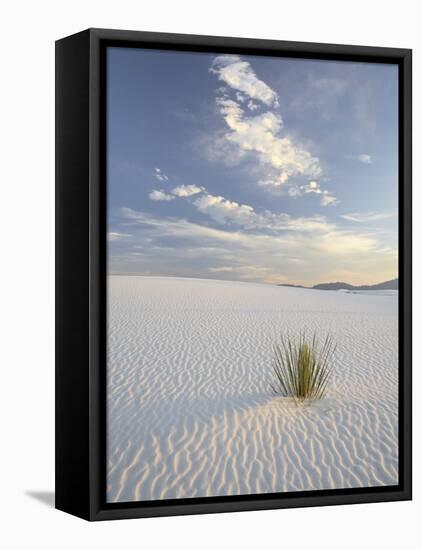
203 408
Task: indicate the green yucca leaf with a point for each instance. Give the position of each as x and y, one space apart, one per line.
301 369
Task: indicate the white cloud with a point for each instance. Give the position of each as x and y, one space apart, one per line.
160 196
263 136
326 197
217 148
239 75
367 217
179 191
187 190
284 222
183 229
322 248
222 210
364 158
115 236
277 181
311 187
226 211
252 106
342 243
260 135
160 175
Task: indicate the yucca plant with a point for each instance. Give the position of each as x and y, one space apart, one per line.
302 368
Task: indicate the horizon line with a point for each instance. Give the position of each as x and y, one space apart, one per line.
134 274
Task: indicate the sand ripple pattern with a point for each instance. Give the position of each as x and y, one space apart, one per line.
190 413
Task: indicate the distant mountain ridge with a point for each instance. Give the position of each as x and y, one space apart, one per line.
393 284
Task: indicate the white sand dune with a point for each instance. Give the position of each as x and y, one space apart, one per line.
190 412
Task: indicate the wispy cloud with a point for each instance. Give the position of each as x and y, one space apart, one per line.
225 211
221 269
328 199
115 236
364 158
320 95
165 242
159 195
159 174
367 217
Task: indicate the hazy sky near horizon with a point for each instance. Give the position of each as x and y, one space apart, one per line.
251 168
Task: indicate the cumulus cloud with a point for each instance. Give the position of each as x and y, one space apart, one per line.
187 190
239 75
222 210
160 196
160 176
262 135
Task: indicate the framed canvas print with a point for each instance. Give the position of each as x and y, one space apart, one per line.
233 274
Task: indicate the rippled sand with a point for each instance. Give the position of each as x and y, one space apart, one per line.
190 412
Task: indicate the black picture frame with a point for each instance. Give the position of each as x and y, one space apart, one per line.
81 268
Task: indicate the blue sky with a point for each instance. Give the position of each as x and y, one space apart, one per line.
251 168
